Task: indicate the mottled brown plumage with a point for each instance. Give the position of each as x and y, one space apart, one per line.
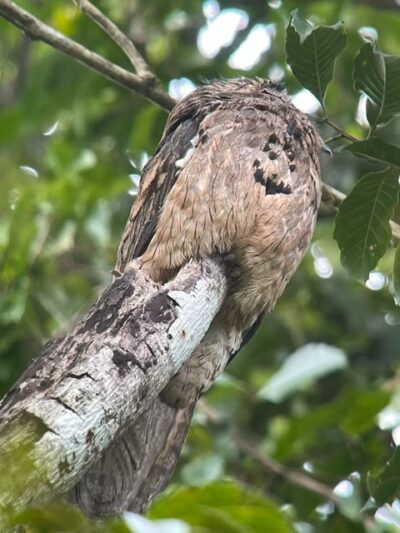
236 175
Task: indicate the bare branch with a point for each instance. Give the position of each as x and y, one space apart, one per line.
249 448
332 196
139 64
292 476
37 29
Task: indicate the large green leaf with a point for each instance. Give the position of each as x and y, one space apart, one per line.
303 367
222 507
311 52
362 228
378 76
376 150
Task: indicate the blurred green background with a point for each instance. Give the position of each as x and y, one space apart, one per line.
71 147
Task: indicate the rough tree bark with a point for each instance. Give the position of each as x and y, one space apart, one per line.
84 389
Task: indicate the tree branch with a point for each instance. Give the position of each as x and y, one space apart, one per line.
37 29
139 64
85 389
249 448
292 476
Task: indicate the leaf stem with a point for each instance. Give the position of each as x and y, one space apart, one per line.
335 138
139 64
343 133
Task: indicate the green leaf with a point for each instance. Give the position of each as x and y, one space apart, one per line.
57 516
203 470
303 367
396 271
222 507
311 52
376 150
378 76
363 412
362 228
385 485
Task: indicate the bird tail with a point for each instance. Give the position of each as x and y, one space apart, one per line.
138 465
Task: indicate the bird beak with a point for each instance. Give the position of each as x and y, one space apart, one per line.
327 149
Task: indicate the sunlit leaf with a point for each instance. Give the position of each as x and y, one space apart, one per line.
389 516
302 368
311 52
362 228
222 507
203 470
140 524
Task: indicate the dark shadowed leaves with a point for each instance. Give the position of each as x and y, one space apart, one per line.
376 150
362 228
378 76
385 485
311 52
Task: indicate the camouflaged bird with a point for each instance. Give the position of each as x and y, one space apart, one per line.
236 175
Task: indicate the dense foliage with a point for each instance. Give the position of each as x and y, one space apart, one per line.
315 395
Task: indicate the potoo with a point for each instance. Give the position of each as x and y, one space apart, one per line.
235 176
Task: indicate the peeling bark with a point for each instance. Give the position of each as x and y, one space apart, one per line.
86 388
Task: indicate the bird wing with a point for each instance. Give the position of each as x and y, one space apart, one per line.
159 176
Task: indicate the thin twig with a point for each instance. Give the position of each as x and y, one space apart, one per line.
343 133
243 444
334 138
37 29
139 64
295 478
332 196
